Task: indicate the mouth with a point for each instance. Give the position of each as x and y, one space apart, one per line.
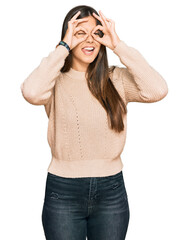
88 50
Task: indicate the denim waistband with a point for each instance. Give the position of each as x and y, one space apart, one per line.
110 177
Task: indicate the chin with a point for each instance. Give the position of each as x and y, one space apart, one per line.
89 60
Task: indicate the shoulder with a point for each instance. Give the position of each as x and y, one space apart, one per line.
116 72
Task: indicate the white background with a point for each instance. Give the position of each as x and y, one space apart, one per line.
156 154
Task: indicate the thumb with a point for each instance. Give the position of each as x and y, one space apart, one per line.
97 38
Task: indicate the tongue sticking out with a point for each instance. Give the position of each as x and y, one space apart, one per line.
87 51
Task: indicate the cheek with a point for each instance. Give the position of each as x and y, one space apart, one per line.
98 47
76 50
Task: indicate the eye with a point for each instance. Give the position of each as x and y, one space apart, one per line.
80 33
100 33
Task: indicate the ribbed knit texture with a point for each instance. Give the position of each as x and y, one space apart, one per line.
81 142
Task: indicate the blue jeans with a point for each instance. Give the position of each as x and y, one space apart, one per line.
92 207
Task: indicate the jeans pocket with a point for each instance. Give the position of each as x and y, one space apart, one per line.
117 183
54 195
118 186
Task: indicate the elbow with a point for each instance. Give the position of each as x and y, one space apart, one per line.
162 93
159 95
165 91
155 95
34 98
28 95
159 90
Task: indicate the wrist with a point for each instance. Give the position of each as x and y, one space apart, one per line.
64 44
116 43
67 42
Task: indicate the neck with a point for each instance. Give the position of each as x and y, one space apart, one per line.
80 67
74 74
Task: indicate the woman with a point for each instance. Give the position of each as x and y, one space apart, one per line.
85 101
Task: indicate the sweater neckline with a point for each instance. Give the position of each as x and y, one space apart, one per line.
74 74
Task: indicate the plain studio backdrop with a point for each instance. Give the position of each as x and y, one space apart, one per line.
155 156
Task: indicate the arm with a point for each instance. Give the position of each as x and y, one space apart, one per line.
37 88
141 82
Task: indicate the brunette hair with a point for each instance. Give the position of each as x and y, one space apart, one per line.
98 78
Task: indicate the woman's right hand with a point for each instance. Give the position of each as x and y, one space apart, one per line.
70 37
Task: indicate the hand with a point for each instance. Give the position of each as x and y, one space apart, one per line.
70 37
110 38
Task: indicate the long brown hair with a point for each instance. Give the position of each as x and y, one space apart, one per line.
97 73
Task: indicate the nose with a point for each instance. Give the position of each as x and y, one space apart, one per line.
90 38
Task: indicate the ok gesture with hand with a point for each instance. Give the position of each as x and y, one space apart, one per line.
110 38
70 37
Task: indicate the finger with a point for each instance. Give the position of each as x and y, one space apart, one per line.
98 27
106 19
81 20
102 15
99 18
76 15
111 22
97 38
77 21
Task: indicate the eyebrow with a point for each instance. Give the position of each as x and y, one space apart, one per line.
86 30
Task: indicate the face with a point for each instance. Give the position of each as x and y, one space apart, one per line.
81 57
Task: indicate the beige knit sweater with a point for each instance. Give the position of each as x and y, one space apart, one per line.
82 144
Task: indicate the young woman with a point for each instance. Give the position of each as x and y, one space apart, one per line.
85 101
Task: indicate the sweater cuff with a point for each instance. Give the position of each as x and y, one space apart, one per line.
119 47
62 51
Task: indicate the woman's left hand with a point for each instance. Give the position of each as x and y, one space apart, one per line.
110 38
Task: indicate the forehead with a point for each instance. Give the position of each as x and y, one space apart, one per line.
90 24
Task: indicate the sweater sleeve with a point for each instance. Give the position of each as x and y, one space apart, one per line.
37 88
141 82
